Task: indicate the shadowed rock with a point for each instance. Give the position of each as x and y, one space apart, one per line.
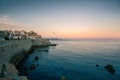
97 65
36 57
110 68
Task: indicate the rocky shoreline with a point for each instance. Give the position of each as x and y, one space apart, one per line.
13 53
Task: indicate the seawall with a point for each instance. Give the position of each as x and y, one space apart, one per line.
11 48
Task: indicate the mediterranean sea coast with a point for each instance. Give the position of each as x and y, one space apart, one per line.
73 60
59 39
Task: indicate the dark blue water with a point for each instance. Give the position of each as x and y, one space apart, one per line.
74 60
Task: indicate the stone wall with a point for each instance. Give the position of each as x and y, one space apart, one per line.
11 48
40 42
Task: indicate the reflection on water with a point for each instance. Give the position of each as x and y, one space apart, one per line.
73 60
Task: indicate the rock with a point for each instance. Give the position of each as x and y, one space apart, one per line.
11 73
11 69
97 65
33 66
110 68
36 57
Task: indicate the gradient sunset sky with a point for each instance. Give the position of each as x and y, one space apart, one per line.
65 18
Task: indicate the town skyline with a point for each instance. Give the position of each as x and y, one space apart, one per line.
63 19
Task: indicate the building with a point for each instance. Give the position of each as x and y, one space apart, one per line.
6 34
32 35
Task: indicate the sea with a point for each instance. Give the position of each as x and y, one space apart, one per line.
81 59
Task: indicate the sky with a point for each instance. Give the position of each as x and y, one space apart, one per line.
63 18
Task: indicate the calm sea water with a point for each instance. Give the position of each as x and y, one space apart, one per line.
74 60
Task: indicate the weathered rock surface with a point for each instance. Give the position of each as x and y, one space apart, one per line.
9 72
